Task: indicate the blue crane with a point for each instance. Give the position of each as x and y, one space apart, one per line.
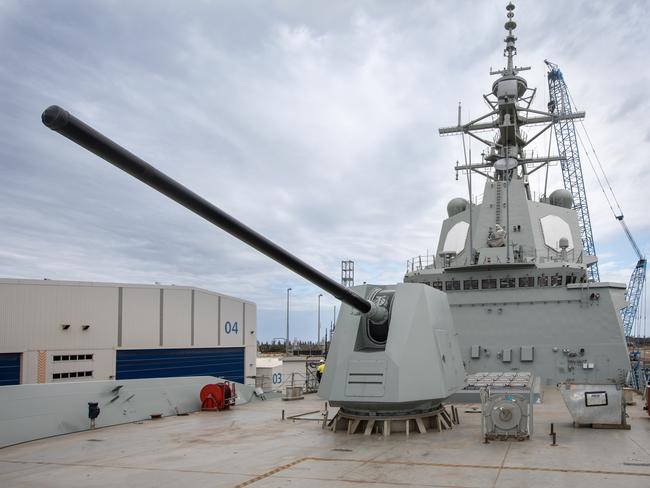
567 144
635 286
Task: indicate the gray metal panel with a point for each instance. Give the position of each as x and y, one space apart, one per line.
366 378
527 353
594 404
506 355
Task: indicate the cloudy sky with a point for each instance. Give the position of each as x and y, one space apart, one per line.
313 122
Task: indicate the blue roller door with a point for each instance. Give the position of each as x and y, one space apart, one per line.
10 368
224 362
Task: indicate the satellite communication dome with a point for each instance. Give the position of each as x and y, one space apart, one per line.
456 206
564 243
561 198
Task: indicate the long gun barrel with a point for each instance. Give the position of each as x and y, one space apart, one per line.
68 125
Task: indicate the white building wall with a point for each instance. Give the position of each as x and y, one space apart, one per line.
269 379
33 317
102 365
206 319
140 317
231 321
294 371
33 313
177 318
29 367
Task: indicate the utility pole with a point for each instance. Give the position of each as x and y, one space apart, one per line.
286 343
318 340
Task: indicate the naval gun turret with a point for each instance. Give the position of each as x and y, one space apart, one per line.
395 349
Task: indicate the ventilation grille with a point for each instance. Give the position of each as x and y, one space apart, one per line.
365 378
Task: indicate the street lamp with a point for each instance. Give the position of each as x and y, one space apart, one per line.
286 343
318 341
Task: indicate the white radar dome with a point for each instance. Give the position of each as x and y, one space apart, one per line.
561 198
456 206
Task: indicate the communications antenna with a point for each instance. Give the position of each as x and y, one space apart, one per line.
347 273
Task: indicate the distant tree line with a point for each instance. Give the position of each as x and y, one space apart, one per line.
298 348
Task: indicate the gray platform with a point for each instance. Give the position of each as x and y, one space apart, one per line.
226 449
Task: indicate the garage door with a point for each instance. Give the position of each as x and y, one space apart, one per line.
224 362
10 368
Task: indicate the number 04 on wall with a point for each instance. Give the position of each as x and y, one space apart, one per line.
231 328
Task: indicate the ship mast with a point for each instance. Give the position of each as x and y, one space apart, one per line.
510 109
510 103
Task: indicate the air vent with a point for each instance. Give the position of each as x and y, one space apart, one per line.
365 378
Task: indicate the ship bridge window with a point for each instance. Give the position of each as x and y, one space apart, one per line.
470 284
507 283
571 279
488 283
556 280
452 285
527 282
437 285
542 281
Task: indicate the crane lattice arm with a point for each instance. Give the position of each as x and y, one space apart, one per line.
633 296
565 134
635 286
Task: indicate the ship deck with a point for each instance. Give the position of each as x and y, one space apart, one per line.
251 445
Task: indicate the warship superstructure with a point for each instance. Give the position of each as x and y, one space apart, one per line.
513 267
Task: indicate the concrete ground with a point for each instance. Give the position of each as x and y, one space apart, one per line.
251 445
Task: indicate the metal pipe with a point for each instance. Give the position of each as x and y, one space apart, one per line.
61 121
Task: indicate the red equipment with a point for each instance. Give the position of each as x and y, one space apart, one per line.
219 396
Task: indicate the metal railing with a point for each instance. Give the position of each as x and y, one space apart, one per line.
519 255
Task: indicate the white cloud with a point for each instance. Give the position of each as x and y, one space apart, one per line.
314 123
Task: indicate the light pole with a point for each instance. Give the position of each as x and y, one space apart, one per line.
286 343
318 341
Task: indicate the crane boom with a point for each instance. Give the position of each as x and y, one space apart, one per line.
565 134
633 296
635 286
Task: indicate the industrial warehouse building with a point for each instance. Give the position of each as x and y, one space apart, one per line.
52 331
